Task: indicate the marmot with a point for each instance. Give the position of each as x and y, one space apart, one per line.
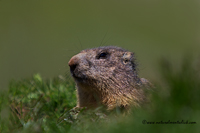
107 76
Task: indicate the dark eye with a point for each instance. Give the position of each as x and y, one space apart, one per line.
102 56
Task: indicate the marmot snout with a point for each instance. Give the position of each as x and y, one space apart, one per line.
107 76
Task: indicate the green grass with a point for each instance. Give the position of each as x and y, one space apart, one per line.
35 105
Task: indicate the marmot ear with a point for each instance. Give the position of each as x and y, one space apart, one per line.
128 57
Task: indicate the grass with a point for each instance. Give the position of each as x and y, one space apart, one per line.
35 105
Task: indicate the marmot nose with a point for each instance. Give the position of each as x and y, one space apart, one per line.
74 61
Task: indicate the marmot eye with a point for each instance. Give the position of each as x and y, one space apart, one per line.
102 56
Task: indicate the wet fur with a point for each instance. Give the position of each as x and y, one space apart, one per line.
112 81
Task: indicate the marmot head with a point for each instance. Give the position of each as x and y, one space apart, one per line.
108 72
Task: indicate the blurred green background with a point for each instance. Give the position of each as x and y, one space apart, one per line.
41 36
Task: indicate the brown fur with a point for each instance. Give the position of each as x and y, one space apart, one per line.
107 76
